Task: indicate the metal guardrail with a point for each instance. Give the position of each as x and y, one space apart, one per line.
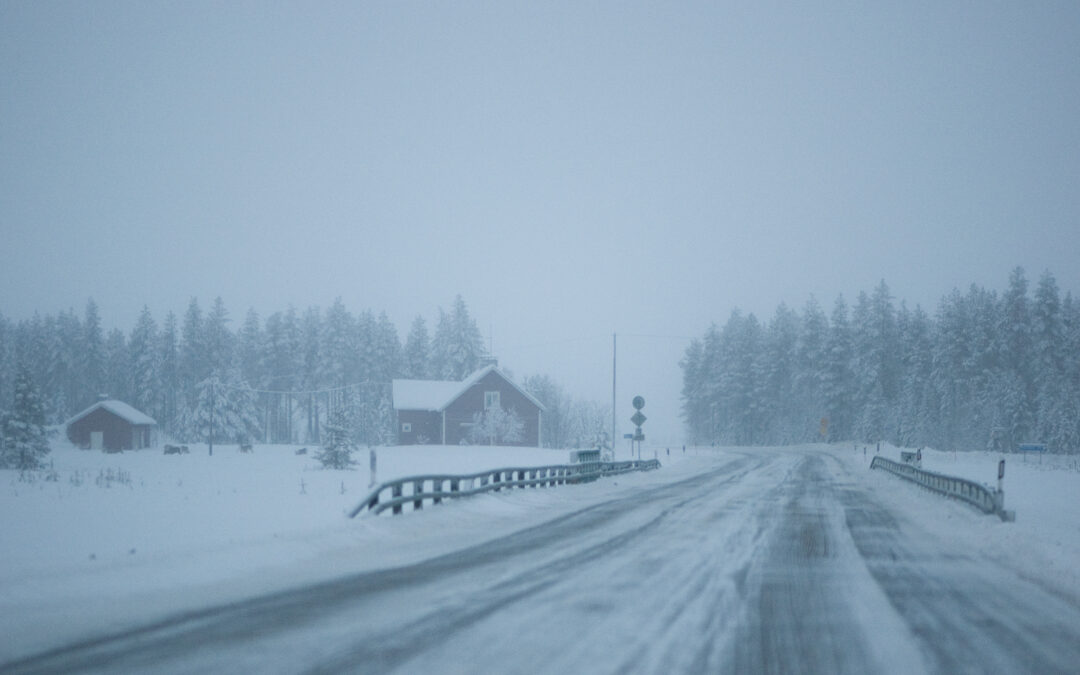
396 494
976 494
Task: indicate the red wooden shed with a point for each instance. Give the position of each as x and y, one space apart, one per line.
111 425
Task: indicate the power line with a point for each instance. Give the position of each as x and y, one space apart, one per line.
329 390
598 338
657 336
555 342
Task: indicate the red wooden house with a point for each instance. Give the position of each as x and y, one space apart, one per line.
442 412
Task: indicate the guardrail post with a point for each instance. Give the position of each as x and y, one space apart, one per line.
418 489
436 487
395 492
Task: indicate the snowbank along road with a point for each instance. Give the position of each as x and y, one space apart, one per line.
772 561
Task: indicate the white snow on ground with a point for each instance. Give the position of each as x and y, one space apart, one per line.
85 555
1043 543
120 539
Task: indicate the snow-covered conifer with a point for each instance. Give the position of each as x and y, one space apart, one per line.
417 353
337 441
457 346
25 443
117 366
92 353
168 372
144 354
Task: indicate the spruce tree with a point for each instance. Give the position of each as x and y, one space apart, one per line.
117 366
339 348
25 443
457 347
249 349
168 372
192 358
5 358
417 354
338 444
809 367
145 353
218 340
389 362
226 403
92 364
837 376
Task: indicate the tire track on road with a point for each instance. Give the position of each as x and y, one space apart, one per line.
272 617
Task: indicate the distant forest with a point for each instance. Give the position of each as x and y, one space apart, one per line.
272 380
986 371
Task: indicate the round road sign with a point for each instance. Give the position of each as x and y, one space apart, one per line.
639 402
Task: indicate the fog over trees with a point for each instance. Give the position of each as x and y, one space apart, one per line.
277 379
987 370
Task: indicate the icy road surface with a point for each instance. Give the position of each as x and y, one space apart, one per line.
771 562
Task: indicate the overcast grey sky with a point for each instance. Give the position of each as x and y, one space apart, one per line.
572 169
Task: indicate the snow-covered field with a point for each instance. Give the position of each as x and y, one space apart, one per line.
119 540
1045 494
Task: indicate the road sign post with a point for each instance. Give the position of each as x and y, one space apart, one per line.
638 419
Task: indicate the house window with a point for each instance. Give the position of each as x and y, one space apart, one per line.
491 400
406 427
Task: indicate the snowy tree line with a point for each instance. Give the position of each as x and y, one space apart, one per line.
987 370
277 379
567 422
174 370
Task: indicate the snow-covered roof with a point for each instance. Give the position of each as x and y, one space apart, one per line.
479 375
424 394
118 408
436 395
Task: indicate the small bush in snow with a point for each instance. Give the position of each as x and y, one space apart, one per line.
106 478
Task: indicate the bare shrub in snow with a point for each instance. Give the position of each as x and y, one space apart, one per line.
107 478
496 425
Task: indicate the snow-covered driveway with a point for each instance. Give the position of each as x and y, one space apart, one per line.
769 561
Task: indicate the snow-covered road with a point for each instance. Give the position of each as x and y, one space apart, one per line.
770 561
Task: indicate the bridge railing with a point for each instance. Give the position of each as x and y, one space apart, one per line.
978 495
395 495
